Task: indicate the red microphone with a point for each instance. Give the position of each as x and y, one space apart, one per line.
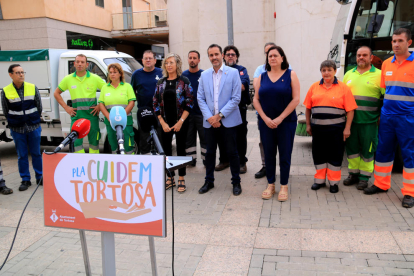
80 129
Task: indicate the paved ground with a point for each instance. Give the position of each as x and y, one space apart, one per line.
313 233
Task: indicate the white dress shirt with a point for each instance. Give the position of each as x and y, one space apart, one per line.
216 84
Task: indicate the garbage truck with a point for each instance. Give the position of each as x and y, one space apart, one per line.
46 68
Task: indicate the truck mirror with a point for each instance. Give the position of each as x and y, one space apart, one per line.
375 23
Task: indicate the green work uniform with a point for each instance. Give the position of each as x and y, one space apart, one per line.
361 145
119 96
83 94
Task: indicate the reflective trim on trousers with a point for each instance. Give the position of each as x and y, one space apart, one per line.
365 173
400 84
353 170
321 166
319 181
31 110
94 147
328 110
320 174
367 108
334 168
367 160
191 150
333 182
365 98
328 121
407 170
399 98
382 175
91 150
352 156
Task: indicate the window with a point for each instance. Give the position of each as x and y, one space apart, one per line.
99 3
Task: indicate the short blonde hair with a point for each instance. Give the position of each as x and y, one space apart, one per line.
118 67
177 61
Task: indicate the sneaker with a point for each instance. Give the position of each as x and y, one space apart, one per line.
261 173
25 185
351 180
408 201
362 184
374 190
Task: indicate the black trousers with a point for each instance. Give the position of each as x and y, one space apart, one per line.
180 139
241 140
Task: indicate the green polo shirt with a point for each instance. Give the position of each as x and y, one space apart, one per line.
82 91
120 96
367 91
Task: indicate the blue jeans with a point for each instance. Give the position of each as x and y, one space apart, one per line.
23 141
229 136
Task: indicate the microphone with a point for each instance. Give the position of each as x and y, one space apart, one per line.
80 129
148 122
118 120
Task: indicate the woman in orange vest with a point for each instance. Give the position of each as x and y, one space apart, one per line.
330 109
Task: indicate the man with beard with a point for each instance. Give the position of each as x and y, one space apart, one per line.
231 57
195 119
365 84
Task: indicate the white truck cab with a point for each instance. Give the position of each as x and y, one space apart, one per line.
46 68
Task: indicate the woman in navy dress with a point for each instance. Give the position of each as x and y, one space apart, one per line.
275 100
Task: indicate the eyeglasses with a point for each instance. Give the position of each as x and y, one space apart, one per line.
230 55
148 58
20 73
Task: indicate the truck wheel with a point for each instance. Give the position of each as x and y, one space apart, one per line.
107 147
398 161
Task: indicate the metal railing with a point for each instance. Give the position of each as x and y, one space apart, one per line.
139 20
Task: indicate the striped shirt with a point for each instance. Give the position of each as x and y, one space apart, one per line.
20 91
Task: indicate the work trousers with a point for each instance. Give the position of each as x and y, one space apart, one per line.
229 136
180 140
195 125
280 138
327 152
30 140
241 140
360 149
129 143
395 130
94 134
2 182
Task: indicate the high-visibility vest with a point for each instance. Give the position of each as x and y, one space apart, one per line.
24 111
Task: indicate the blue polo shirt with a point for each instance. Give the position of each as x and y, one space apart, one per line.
144 84
194 80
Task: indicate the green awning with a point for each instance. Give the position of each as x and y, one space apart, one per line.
24 55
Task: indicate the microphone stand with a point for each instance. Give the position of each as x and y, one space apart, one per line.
82 235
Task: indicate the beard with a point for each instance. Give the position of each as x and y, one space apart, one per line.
363 65
192 65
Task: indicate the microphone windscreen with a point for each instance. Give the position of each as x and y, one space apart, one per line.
118 117
82 127
146 118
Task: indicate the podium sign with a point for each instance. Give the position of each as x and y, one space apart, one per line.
109 193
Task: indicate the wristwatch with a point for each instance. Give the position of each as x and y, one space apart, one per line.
221 115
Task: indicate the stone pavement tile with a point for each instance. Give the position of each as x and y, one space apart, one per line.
324 240
206 273
193 233
278 238
397 271
372 242
252 202
405 240
237 216
224 259
231 235
24 238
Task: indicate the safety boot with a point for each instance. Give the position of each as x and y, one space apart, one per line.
351 180
362 184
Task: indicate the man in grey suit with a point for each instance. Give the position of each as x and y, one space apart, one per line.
218 96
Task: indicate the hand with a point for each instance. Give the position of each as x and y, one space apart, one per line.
216 125
96 110
347 133
269 122
214 119
309 130
105 208
71 111
177 126
242 87
277 121
165 127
